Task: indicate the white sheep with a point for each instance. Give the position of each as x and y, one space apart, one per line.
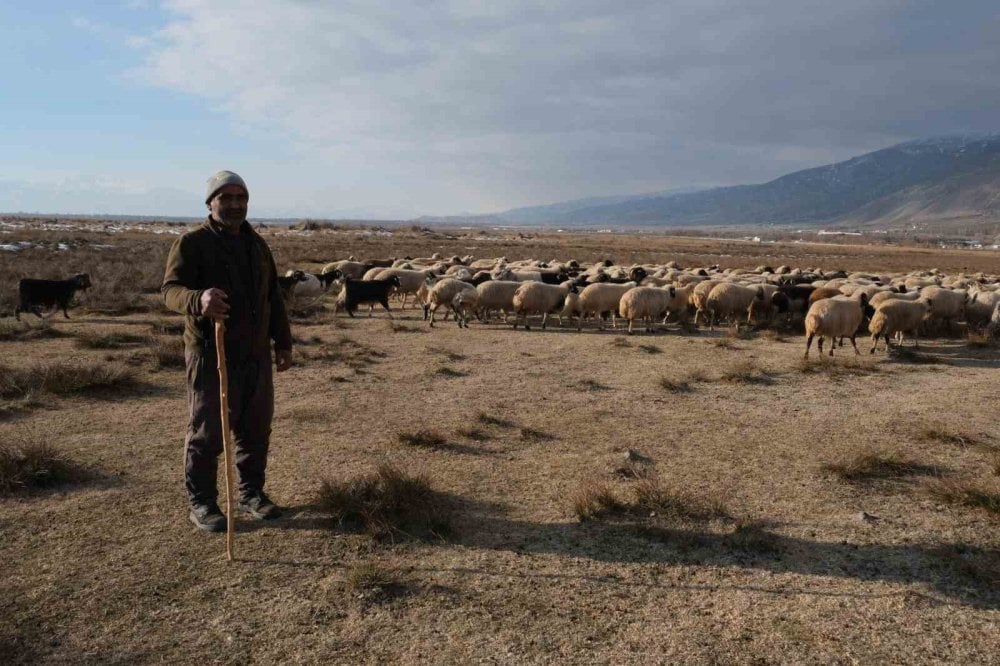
538 297
947 305
731 300
897 317
699 296
835 317
443 293
496 295
353 270
645 304
409 280
602 297
464 303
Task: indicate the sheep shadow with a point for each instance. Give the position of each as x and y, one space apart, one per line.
964 573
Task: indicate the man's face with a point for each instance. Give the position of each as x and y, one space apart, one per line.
229 206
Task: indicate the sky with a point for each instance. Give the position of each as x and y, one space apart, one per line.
393 110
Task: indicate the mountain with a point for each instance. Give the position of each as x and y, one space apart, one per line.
930 180
531 214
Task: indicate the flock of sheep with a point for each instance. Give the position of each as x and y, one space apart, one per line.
829 305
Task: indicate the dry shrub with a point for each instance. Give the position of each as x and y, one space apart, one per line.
675 385
965 493
63 378
651 500
33 466
724 343
737 332
981 340
167 327
594 499
592 385
168 354
746 372
872 465
488 419
11 329
674 504
752 536
92 340
962 440
424 439
388 503
475 434
837 367
364 578
532 435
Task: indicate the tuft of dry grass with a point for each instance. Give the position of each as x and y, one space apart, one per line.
595 499
746 372
650 349
396 327
773 335
387 504
873 465
655 499
532 435
752 536
488 419
168 354
737 332
724 343
964 493
449 372
592 385
424 439
963 440
11 329
362 578
981 340
910 355
167 327
475 434
34 466
64 378
621 342
447 353
91 340
837 367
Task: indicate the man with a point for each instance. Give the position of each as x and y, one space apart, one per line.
224 270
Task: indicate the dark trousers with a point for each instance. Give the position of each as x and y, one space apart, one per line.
251 407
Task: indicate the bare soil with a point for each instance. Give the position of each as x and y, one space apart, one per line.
802 566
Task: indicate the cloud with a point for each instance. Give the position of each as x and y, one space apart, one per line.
467 105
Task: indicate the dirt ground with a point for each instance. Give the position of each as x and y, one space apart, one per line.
109 570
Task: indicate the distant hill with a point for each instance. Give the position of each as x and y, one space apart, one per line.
935 181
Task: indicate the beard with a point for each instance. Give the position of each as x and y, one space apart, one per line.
232 217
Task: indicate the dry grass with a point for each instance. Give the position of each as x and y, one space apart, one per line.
650 349
746 372
837 367
738 332
595 499
116 340
772 335
981 340
620 342
32 466
365 578
591 385
447 354
683 384
399 327
388 504
448 372
11 329
878 465
475 434
753 537
65 378
966 494
167 327
910 355
425 439
532 435
959 439
489 419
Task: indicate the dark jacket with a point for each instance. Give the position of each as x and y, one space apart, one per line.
202 259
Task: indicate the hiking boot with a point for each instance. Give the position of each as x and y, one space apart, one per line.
259 506
207 517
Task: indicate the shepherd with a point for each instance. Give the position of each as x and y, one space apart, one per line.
224 271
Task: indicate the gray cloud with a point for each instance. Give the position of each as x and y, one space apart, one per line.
461 106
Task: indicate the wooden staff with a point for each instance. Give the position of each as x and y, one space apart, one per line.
227 438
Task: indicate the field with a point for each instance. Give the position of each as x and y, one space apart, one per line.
684 497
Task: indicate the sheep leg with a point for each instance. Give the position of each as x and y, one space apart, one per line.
819 344
433 312
809 341
855 345
545 317
916 341
385 304
874 343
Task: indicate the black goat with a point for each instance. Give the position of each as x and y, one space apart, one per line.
359 292
326 279
56 294
287 283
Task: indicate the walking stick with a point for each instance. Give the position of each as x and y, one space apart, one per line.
227 438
